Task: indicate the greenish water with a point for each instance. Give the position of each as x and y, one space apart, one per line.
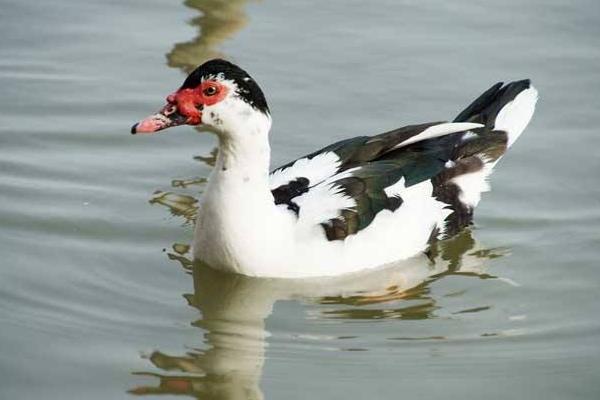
98 299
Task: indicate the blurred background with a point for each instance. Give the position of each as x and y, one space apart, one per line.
98 296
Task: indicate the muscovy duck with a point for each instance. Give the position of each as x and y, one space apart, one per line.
360 203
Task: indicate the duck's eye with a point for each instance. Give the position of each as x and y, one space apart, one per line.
210 91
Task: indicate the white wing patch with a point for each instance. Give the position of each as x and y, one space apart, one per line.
515 115
316 169
439 130
322 203
473 184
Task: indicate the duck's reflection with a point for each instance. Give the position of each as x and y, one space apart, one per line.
234 309
181 199
219 21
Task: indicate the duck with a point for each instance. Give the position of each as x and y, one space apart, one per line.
363 202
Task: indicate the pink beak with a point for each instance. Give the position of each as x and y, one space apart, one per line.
167 117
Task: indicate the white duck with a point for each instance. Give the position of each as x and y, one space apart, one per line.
360 203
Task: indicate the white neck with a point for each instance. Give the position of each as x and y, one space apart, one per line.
244 155
237 212
242 167
243 140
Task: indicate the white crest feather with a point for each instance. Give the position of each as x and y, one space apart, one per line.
439 130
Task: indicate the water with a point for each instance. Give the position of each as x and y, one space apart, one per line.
99 299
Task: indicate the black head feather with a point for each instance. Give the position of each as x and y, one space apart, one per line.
248 89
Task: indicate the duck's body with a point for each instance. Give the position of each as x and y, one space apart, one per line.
360 203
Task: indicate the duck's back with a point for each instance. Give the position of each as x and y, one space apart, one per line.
368 201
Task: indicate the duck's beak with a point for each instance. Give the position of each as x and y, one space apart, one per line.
167 117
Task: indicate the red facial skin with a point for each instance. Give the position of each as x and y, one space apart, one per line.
185 102
188 100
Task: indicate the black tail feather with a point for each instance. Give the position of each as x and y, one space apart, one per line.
487 106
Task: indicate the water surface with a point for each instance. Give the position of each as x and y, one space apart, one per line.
98 298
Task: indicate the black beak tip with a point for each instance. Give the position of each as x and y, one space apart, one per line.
133 129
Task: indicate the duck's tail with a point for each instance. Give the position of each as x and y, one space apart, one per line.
507 108
505 111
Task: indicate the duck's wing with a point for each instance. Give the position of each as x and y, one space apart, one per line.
296 177
345 185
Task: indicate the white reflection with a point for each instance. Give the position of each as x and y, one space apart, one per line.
234 309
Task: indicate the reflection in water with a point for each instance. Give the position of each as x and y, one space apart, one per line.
182 204
210 159
219 21
407 295
234 309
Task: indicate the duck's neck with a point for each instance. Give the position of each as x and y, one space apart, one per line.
244 157
238 219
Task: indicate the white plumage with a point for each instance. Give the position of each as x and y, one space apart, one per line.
315 169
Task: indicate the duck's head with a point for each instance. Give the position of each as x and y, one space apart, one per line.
218 95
